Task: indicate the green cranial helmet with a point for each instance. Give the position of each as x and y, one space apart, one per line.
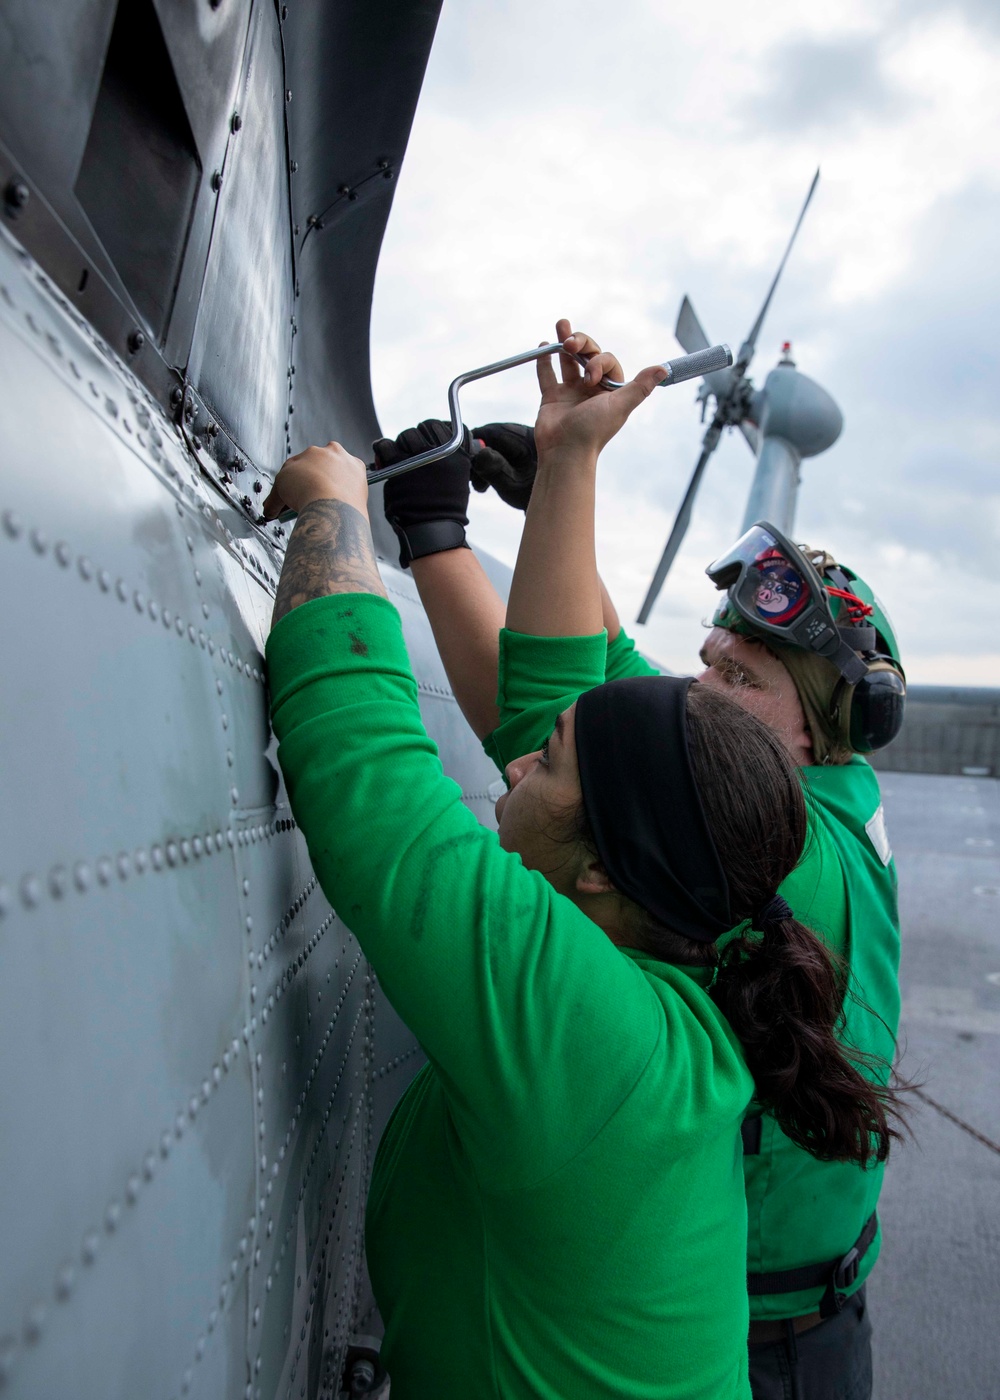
848 710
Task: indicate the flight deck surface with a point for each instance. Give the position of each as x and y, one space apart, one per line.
935 1293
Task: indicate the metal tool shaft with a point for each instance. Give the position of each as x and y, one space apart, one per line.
686 367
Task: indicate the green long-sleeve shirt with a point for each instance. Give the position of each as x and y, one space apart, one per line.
557 1205
800 1211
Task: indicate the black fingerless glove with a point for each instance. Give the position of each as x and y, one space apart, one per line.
507 461
427 508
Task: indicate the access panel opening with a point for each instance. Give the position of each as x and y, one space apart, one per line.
140 170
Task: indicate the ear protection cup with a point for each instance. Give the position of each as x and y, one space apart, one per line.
869 715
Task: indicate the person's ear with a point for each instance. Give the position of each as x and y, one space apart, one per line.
592 878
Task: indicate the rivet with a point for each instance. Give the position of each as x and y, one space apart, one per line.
230 838
16 195
223 1294
197 576
234 794
148 1166
34 1322
123 866
138 600
165 1145
192 634
185 849
218 841
139 861
236 122
213 1318
12 524
171 852
112 1216
288 95
39 541
156 857
179 1125
256 1316
132 1190
104 870
31 891
226 1061
216 180
154 610
206 1090
186 1380
233 1268
199 1350
121 590
193 1108
179 626
197 845
64 554
204 610
65 1279
58 881
136 341
91 1244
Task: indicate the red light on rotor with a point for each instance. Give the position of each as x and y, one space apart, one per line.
786 345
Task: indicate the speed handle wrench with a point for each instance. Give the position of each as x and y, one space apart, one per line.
714 357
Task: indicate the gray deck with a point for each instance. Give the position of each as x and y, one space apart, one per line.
935 1294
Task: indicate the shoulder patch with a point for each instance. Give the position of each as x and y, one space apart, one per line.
878 835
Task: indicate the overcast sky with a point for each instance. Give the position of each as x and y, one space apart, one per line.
599 160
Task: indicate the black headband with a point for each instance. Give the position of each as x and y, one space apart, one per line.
643 805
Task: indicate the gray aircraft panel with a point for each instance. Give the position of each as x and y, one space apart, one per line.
200 1060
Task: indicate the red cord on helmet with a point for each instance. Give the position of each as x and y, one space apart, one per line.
856 607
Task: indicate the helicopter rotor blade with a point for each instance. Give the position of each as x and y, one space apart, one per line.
750 344
681 523
690 334
689 331
751 433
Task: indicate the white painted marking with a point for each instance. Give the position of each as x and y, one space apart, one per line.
878 835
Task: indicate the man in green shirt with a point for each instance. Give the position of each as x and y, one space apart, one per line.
813 1228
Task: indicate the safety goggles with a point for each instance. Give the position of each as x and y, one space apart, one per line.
779 593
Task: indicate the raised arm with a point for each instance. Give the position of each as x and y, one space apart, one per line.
556 591
519 1000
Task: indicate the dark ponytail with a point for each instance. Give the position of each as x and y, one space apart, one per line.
780 988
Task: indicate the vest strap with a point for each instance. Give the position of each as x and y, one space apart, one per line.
836 1274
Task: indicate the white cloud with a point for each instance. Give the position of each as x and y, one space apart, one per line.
565 160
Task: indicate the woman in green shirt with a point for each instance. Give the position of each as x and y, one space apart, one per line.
557 1205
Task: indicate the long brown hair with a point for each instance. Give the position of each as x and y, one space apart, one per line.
781 989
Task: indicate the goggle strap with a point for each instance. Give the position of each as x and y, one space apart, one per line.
863 638
849 663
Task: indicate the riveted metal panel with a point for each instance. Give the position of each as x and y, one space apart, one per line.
198 1059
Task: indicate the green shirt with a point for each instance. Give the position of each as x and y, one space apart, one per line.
557 1206
800 1210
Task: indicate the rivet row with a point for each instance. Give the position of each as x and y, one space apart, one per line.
173 623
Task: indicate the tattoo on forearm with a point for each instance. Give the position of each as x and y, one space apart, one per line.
330 551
